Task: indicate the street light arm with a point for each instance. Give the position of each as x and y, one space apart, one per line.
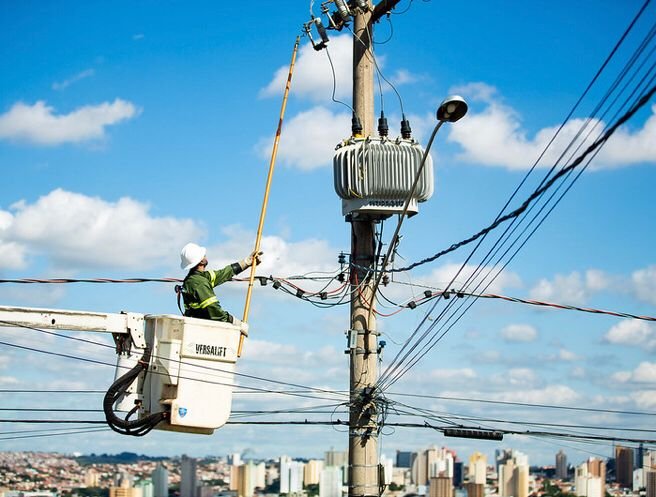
392 243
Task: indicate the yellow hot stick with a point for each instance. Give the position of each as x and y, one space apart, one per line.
260 227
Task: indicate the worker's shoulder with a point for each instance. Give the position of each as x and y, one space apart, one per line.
197 277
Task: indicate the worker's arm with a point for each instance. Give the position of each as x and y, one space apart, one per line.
219 276
222 275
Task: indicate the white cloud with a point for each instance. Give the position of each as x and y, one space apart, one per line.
309 138
281 257
403 76
632 332
8 380
519 333
645 399
567 355
645 372
551 394
644 284
572 288
62 85
495 137
453 374
520 376
38 123
443 275
74 230
313 77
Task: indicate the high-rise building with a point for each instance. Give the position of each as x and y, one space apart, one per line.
91 478
561 465
234 459
291 476
650 483
188 477
624 466
124 492
388 469
590 478
405 459
146 487
440 486
246 476
458 475
160 479
646 464
330 482
123 479
430 463
335 458
513 475
312 471
259 476
477 469
475 489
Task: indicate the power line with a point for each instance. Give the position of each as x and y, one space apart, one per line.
436 293
23 390
58 434
209 368
524 404
564 172
245 387
538 192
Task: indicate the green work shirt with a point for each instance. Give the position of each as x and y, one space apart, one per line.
200 301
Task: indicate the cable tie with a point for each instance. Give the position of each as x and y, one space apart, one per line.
428 294
323 295
263 280
412 304
300 293
276 284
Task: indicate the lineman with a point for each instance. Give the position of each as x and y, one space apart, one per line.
198 286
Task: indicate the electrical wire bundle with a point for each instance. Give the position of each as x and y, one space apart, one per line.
630 90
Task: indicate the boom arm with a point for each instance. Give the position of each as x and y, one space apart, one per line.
57 319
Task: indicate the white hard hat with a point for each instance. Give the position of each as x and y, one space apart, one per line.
190 255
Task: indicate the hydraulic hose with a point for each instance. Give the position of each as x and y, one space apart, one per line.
138 427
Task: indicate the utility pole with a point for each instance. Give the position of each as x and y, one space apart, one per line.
363 472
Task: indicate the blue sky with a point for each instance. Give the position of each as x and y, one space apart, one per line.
128 130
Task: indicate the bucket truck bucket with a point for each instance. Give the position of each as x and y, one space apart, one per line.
190 372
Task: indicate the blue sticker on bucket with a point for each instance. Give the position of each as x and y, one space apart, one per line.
182 411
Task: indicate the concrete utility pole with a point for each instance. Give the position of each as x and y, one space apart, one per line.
363 473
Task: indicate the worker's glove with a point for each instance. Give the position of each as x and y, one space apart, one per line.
248 261
243 327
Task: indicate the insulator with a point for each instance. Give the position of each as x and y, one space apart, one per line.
406 130
383 128
343 10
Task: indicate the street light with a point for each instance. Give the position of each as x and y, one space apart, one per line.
452 109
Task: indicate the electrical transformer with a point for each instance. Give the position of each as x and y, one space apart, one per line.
373 176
